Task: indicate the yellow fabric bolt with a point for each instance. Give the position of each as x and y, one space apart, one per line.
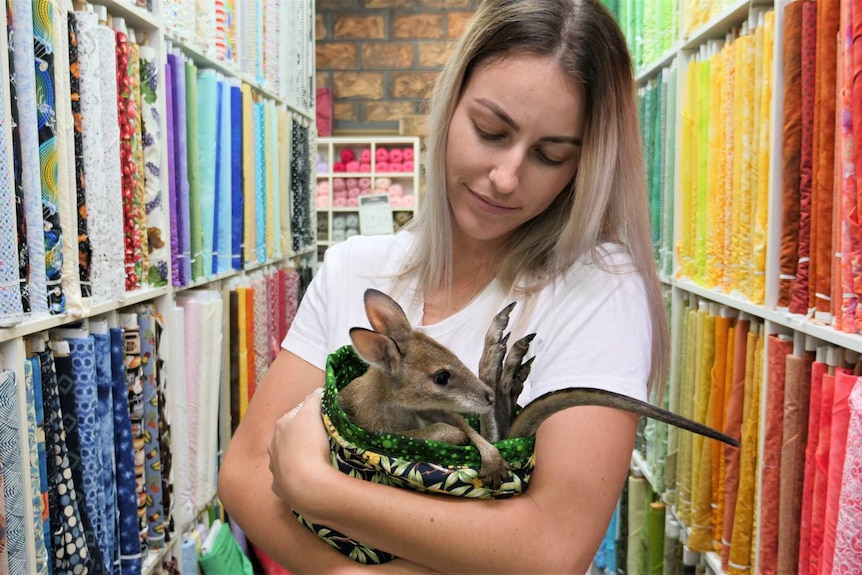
758 259
741 547
701 181
688 208
715 177
700 538
727 120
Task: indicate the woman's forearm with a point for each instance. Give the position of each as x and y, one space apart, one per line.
554 528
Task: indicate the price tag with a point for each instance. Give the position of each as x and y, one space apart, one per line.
375 215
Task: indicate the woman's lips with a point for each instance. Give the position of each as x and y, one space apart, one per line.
488 206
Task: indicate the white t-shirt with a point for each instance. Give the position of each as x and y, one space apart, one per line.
592 326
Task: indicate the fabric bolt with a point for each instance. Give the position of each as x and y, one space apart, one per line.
84 247
43 37
65 130
284 125
734 428
127 116
194 172
243 347
721 380
726 129
791 136
124 455
795 435
23 58
13 473
184 511
261 331
181 159
844 383
193 314
152 448
739 560
848 551
251 353
818 372
800 289
701 183
716 207
687 204
133 361
301 188
683 479
207 138
140 191
155 211
851 235
90 161
761 190
292 290
69 545
824 153
821 473
17 170
170 145
105 422
260 168
274 337
700 538
777 350
41 553
217 179
110 273
669 147
164 431
270 153
4 541
855 51
236 411
236 158
249 178
11 308
86 400
42 464
76 417
223 230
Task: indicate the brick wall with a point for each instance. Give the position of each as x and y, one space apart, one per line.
380 57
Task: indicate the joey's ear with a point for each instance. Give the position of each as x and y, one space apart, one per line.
377 349
385 315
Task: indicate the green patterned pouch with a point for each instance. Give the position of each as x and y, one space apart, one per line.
401 461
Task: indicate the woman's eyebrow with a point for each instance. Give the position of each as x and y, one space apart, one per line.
509 121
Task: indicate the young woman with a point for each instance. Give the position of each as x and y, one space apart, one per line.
535 193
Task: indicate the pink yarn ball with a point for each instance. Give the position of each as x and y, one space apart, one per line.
347 155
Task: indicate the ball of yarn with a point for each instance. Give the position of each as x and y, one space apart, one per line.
339 167
352 220
396 190
350 232
382 183
353 193
365 156
352 166
396 156
339 184
396 167
339 223
364 184
381 155
339 202
338 235
347 155
353 202
382 166
364 167
408 165
408 154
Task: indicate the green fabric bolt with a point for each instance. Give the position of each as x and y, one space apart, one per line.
225 557
195 224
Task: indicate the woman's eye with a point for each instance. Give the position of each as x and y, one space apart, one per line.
487 135
441 377
546 160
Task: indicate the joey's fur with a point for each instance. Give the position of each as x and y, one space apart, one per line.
417 387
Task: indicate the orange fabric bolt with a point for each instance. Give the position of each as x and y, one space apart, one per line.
796 398
818 370
824 154
799 292
791 149
717 404
733 428
770 490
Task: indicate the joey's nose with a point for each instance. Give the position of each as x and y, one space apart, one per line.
490 397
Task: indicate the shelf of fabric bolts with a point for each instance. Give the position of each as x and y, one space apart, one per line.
228 69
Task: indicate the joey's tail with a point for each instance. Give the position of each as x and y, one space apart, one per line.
526 423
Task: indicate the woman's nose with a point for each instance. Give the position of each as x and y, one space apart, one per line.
505 174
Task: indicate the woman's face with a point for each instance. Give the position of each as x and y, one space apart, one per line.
513 145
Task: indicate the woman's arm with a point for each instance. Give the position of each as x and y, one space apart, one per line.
582 456
244 483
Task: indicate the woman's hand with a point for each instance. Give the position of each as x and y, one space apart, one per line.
299 455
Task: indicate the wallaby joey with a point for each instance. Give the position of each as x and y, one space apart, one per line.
417 387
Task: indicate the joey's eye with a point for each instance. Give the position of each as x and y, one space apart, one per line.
441 377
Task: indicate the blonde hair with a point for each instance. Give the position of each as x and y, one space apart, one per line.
606 200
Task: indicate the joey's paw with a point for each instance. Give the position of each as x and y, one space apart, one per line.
494 472
516 370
